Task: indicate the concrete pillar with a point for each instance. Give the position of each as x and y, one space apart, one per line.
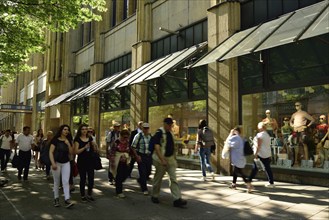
224 20
141 54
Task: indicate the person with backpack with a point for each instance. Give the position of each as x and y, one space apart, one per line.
44 153
141 144
164 160
236 145
204 141
110 140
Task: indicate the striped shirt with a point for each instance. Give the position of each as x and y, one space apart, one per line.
141 143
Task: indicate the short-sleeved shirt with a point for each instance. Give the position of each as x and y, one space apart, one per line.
85 155
141 143
24 142
6 142
265 148
236 144
61 152
170 145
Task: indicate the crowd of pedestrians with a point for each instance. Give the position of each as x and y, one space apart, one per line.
57 154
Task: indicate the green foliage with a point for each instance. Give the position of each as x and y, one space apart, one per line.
23 24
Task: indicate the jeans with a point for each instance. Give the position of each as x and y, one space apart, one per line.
63 170
4 157
122 174
205 160
268 170
160 171
24 163
144 170
85 169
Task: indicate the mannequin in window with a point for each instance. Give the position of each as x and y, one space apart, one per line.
175 129
286 131
299 121
271 124
321 136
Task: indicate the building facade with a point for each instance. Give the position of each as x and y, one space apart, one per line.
138 63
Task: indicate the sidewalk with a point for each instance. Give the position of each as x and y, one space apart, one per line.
206 200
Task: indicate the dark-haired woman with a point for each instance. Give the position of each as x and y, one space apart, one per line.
59 154
38 141
204 141
84 147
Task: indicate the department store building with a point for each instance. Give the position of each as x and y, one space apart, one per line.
224 61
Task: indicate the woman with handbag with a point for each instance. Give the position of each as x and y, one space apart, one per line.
85 148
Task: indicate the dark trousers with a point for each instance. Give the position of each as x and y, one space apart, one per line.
4 157
24 163
131 166
84 170
236 171
122 174
47 170
71 172
144 169
268 170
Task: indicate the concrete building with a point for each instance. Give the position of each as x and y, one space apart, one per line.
138 63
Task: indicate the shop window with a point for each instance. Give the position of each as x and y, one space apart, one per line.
289 64
152 92
29 102
81 106
186 117
174 86
115 99
198 77
287 150
77 120
251 71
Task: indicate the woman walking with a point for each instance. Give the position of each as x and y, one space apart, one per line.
119 160
85 147
44 149
204 141
38 141
236 147
59 154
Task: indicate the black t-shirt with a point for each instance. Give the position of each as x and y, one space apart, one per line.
61 152
85 155
170 146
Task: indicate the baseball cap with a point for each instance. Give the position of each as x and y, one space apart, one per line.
168 121
116 124
145 125
260 125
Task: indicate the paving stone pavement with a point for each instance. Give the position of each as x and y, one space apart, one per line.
206 200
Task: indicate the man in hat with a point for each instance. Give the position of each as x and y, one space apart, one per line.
141 144
164 161
132 136
110 139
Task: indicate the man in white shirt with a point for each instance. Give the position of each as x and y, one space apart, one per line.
5 149
25 143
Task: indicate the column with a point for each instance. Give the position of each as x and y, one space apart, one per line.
222 78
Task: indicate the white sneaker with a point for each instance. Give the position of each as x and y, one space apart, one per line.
269 185
146 193
121 195
212 175
204 178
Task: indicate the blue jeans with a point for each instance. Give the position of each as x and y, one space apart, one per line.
205 160
268 170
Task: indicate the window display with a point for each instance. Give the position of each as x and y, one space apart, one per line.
186 117
298 124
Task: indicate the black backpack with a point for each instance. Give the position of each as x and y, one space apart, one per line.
247 148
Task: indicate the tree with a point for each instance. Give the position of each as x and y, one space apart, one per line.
23 24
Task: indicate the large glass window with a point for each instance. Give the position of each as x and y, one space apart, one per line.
290 146
81 80
117 99
117 65
186 117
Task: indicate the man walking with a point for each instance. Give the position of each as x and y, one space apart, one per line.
141 145
110 139
164 161
5 149
25 143
132 136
